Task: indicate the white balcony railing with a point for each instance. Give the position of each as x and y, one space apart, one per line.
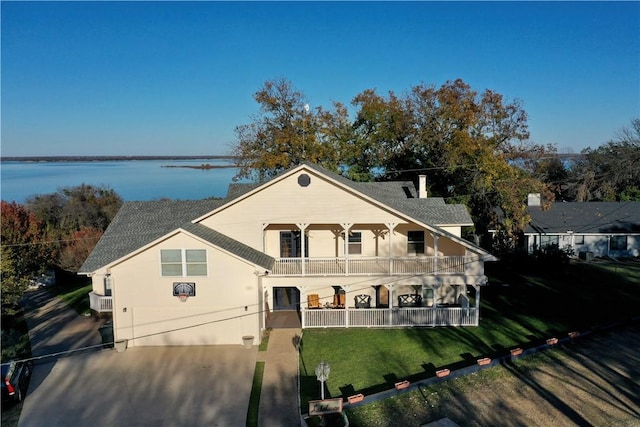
389 317
100 303
362 266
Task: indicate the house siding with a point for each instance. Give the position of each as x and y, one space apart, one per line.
288 203
145 306
597 244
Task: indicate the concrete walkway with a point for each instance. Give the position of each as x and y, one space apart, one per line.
279 395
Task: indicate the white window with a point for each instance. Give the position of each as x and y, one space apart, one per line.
618 243
415 243
549 239
355 243
579 240
183 262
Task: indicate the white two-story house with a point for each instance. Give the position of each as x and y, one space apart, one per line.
337 252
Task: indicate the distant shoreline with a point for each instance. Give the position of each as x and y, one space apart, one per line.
107 158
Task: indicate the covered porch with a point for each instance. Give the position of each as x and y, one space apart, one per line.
378 302
389 317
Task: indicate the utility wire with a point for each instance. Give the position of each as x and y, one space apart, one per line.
258 312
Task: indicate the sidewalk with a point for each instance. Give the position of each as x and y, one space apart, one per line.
54 327
279 395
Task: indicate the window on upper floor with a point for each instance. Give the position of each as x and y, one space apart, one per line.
618 243
415 243
183 262
355 243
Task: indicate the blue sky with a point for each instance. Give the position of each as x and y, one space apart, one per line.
165 78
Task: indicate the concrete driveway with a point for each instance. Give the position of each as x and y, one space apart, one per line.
145 386
148 386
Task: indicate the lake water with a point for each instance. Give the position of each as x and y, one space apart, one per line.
131 179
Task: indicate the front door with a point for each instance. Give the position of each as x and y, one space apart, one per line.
286 298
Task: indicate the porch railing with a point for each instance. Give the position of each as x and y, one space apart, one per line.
100 303
356 266
389 317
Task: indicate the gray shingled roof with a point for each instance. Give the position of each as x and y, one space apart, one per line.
585 217
433 210
140 223
231 245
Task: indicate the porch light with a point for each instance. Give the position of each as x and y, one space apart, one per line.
322 373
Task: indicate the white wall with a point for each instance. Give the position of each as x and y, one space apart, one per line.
225 306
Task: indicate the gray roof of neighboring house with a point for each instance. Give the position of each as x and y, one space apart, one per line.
140 223
585 218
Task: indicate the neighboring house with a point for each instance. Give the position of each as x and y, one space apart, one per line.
340 253
589 228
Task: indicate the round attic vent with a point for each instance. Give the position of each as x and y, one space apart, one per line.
304 180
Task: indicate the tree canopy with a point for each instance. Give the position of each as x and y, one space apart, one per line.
610 172
24 252
287 133
52 230
75 218
472 146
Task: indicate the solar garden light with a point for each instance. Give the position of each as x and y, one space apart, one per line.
322 373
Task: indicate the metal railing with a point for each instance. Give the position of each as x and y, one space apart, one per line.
359 266
389 317
100 303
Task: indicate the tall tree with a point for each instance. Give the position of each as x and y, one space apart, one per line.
72 213
610 172
287 133
24 252
473 147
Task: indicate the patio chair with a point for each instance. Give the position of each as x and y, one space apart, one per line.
313 301
363 301
409 300
339 300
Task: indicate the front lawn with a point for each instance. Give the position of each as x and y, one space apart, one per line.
520 306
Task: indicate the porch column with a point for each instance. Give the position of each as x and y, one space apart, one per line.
303 247
346 226
264 237
390 311
435 252
346 305
477 317
303 297
391 226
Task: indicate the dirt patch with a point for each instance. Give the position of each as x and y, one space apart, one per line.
594 381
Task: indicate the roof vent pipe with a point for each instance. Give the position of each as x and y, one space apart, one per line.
422 186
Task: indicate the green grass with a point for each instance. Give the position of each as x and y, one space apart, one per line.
72 289
522 306
77 298
265 340
254 399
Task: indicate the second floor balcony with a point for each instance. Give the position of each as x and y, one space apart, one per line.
374 266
